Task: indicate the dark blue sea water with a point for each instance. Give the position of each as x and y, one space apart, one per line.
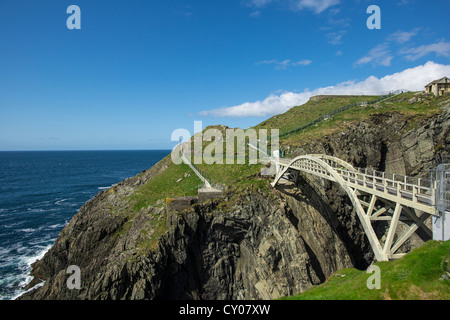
41 191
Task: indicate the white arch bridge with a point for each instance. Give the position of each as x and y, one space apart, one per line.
375 195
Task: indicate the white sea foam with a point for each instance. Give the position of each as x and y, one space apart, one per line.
26 263
65 202
60 202
4 252
55 226
13 225
23 263
32 259
27 230
20 292
35 210
43 240
105 188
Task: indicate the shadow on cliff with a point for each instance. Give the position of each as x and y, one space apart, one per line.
310 196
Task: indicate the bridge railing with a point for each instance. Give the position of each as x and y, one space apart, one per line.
418 190
203 176
202 173
411 188
406 183
441 178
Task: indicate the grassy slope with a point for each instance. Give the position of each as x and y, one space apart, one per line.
309 111
413 277
165 185
415 112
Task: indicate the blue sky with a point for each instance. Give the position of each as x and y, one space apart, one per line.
137 70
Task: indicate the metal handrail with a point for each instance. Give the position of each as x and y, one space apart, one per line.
417 190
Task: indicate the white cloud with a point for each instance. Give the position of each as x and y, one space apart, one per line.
273 104
413 79
283 65
405 2
335 38
318 6
258 3
403 36
380 55
255 14
305 62
441 48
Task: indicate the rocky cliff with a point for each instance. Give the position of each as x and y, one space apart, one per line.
259 248
252 244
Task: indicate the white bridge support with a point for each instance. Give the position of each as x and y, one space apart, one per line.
393 198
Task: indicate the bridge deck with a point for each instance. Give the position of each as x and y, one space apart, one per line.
412 192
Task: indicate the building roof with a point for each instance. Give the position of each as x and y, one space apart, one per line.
442 80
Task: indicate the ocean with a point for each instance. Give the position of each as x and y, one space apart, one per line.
39 194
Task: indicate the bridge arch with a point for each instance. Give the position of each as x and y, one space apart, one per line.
337 161
319 165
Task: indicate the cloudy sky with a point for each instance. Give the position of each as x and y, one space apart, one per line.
137 70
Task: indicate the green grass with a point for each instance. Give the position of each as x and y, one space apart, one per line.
174 181
165 185
413 277
311 110
150 238
414 112
234 175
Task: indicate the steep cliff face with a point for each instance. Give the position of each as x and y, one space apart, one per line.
258 249
256 244
251 251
